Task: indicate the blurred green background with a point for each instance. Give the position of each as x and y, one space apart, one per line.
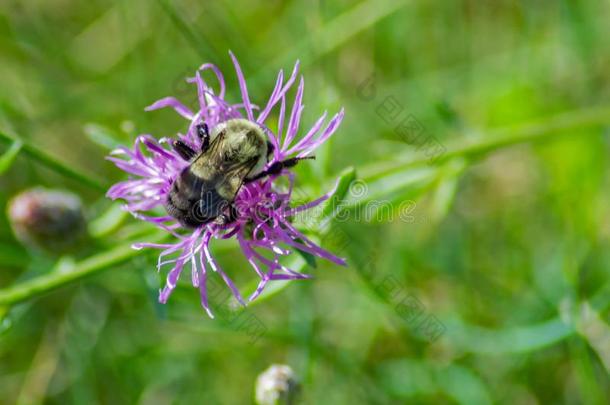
495 288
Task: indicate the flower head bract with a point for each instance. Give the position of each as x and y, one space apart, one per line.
263 227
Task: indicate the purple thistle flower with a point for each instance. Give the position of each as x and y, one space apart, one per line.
263 228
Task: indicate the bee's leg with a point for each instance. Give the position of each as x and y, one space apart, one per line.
204 134
270 148
224 219
277 167
185 151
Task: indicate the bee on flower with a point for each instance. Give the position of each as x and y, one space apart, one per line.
218 180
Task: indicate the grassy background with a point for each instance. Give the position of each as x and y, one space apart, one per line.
505 245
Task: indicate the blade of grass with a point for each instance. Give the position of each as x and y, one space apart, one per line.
7 159
87 267
333 34
520 339
341 193
592 326
198 42
538 131
410 378
52 163
497 139
584 369
107 222
102 136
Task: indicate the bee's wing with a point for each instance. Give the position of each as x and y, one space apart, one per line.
231 179
227 179
208 163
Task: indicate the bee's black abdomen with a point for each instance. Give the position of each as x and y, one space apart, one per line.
181 215
193 201
209 206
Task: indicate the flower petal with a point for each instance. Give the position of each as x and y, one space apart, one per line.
243 87
173 103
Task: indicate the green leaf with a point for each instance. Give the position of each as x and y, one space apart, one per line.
8 158
309 258
593 328
204 48
334 33
591 391
410 378
444 192
102 136
53 162
463 385
28 289
389 196
537 131
601 300
520 339
108 222
5 322
329 208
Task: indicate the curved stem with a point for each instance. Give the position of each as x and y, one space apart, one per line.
496 139
533 132
51 162
48 282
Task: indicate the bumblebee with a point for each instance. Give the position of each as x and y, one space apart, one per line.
234 153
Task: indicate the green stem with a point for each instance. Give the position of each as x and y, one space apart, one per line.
52 162
9 156
497 139
333 34
48 282
195 39
533 132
